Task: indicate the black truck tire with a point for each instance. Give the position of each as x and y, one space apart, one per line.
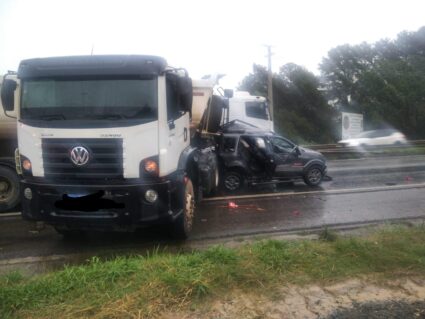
182 226
9 189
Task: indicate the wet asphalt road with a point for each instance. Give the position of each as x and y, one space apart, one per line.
360 191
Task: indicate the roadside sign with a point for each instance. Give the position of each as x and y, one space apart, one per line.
352 124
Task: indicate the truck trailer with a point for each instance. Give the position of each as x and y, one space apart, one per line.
104 143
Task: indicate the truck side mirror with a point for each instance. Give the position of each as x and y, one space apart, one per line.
8 94
228 93
184 86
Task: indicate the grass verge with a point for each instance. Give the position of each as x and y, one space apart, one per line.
144 286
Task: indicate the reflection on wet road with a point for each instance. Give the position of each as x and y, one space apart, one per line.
304 211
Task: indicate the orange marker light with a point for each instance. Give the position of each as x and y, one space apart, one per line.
151 166
26 164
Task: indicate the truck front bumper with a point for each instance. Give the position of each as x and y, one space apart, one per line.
98 206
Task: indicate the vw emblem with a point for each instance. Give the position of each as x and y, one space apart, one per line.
80 155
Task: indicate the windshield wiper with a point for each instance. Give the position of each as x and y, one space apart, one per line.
50 117
106 116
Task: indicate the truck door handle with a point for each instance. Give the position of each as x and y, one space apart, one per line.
171 125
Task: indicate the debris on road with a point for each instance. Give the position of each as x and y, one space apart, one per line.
232 205
296 213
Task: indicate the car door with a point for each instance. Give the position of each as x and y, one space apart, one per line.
285 157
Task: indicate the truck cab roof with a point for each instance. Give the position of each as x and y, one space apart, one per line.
92 65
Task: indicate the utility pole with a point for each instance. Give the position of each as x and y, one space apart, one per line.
270 80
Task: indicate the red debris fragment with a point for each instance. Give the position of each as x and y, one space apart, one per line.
408 178
296 213
232 205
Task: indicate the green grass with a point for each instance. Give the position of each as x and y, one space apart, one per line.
145 286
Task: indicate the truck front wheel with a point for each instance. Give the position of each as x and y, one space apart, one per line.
183 224
9 189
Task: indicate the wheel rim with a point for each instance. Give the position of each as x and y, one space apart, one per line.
314 175
5 189
232 182
189 205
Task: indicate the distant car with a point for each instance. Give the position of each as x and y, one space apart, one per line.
249 156
376 137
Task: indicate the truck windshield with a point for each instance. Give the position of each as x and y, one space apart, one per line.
257 110
107 99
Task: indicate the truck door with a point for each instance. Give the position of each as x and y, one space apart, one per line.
285 158
178 123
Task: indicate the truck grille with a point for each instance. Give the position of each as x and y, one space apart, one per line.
105 163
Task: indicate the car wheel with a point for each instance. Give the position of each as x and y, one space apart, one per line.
313 176
233 182
182 226
9 189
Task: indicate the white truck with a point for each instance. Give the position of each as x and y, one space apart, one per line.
113 142
9 180
104 143
240 105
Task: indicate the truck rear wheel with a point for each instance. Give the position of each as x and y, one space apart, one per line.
9 189
182 226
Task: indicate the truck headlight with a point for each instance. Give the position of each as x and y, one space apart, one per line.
151 196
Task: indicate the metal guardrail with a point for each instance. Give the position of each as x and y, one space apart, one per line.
337 148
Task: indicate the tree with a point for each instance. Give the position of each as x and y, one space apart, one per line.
385 81
301 112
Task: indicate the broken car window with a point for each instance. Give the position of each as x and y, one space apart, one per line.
281 146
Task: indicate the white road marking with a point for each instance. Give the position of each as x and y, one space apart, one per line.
325 192
10 214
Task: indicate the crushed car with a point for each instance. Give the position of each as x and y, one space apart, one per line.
249 156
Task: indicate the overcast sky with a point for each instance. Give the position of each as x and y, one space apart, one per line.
202 36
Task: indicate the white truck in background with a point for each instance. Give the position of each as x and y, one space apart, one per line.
9 179
241 105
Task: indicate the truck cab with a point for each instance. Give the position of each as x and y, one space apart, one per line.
104 143
250 109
